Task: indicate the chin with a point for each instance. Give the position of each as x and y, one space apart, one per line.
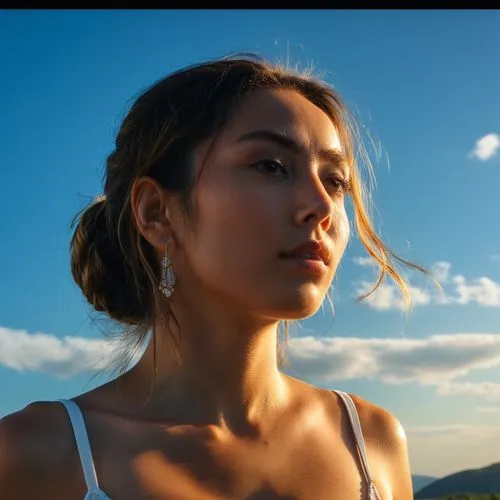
299 313
297 307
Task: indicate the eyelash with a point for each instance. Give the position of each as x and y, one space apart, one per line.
268 161
344 184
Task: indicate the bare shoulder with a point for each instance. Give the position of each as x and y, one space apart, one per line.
35 443
381 429
379 425
386 437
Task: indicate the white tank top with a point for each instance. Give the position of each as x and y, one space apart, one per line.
94 492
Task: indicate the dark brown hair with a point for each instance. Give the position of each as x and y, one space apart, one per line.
112 264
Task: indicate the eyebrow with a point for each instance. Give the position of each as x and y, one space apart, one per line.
334 156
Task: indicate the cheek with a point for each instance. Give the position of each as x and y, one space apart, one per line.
235 234
235 220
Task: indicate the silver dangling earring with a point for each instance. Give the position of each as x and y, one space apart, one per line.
167 280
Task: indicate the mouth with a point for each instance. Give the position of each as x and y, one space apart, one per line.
312 255
311 250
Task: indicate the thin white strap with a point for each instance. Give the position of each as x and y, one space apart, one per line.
82 443
360 442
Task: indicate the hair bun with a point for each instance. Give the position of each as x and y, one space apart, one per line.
98 266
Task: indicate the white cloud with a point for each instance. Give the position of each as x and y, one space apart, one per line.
364 261
489 390
452 430
388 297
437 360
484 291
488 409
457 289
486 147
441 271
44 353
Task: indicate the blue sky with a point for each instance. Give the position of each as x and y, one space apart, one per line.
424 83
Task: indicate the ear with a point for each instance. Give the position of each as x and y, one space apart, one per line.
150 210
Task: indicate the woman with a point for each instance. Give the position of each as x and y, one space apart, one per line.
222 216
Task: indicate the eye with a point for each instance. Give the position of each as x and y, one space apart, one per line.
271 167
339 185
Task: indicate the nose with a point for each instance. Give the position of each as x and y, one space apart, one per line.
314 204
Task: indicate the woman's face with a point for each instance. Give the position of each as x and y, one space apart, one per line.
273 180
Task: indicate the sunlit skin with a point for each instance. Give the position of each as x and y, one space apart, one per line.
227 423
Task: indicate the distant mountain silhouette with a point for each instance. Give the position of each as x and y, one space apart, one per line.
476 481
420 481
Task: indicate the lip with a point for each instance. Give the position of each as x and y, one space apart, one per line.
310 266
312 250
312 256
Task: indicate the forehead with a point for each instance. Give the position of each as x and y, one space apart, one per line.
284 111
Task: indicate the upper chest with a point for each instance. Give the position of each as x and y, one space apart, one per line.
296 463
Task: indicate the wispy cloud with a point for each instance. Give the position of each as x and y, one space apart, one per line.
438 360
456 290
486 147
488 409
489 390
388 297
44 353
453 430
441 271
364 261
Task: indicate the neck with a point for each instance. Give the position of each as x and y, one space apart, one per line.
227 374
